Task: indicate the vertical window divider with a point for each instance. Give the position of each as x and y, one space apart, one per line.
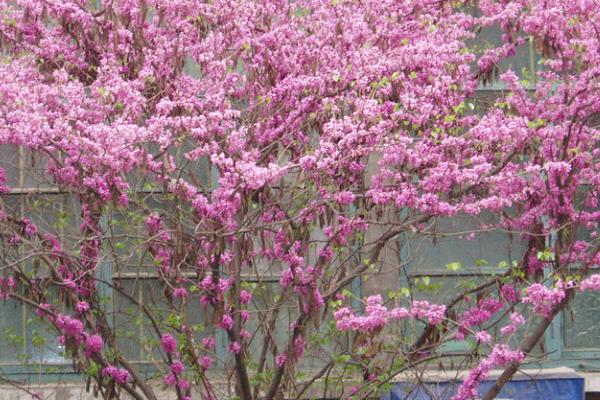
554 336
104 287
356 284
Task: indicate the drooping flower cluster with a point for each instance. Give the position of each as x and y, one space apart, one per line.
7 284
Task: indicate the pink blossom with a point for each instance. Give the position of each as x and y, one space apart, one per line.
168 343
508 293
299 345
82 307
69 326
543 299
590 283
208 342
180 293
345 198
205 362
177 367
30 228
316 122
399 313
500 356
280 360
121 376
93 345
234 348
226 322
245 297
423 309
508 329
483 337
6 286
517 318
170 379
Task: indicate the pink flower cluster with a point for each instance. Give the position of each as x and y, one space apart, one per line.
82 307
516 320
168 343
543 299
377 315
7 284
119 375
590 283
93 345
476 316
70 327
174 378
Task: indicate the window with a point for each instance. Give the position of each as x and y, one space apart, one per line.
27 344
456 253
573 338
524 62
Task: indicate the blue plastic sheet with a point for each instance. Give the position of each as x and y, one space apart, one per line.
554 386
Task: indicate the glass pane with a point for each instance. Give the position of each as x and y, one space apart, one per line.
128 236
9 162
42 340
443 289
449 241
136 336
520 63
581 329
23 168
35 173
12 342
523 63
126 318
33 340
320 344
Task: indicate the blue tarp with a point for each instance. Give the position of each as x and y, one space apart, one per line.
546 386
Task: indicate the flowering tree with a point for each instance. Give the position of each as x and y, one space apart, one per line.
218 146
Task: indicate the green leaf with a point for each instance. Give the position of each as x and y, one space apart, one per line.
174 320
480 262
342 358
453 266
38 341
535 124
546 255
9 21
92 370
